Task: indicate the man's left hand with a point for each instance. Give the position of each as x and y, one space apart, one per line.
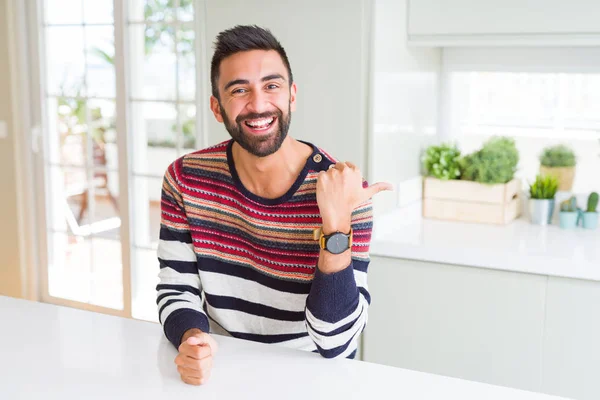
340 191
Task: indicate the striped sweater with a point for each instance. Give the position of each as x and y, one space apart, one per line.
238 264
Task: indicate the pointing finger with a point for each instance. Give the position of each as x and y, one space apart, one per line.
378 187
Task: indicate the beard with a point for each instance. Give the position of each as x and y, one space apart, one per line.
263 145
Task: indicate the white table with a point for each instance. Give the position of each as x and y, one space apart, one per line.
49 352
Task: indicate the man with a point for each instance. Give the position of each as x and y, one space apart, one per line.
237 249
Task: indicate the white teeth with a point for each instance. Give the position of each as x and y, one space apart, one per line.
260 123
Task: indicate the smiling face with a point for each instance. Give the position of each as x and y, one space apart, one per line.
255 100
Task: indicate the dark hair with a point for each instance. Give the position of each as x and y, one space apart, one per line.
243 38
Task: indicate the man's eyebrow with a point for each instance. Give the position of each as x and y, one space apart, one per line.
246 81
236 82
273 77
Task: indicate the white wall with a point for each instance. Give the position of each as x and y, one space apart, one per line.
404 101
324 41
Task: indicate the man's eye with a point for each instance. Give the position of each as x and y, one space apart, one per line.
272 86
239 91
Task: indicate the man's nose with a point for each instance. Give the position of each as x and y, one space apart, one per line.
257 103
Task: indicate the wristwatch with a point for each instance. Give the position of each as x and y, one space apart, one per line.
336 243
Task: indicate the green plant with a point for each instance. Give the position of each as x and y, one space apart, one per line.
156 31
558 156
495 162
441 161
592 203
544 187
569 205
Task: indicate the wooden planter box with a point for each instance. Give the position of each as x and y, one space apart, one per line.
468 201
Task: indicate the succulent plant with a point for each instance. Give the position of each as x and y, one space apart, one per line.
441 161
495 162
544 187
558 156
569 205
592 203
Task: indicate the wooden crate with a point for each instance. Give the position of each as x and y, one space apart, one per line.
468 201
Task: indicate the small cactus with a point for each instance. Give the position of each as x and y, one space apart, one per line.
569 205
592 203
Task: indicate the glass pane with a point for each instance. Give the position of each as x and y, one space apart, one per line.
98 11
153 47
85 270
186 64
77 208
187 118
65 60
69 267
146 211
63 11
185 12
106 279
67 195
152 10
104 210
102 121
100 61
537 109
68 126
77 196
154 137
152 54
144 278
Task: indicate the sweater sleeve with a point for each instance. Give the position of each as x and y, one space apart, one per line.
337 304
179 289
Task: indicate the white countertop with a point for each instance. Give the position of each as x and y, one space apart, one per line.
50 352
519 246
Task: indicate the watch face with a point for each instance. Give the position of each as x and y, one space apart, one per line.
337 243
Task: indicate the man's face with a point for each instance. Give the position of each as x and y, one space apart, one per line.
256 100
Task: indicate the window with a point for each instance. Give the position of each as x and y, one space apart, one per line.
94 259
540 97
81 168
162 105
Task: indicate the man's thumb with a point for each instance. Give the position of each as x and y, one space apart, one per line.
195 340
378 187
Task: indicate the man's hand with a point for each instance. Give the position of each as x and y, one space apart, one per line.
339 192
195 358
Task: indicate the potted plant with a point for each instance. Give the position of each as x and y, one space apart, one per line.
590 216
495 162
479 187
559 161
441 161
541 199
569 213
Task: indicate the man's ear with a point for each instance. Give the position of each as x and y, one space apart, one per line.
293 90
216 108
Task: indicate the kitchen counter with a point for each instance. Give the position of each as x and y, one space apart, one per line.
54 352
518 246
